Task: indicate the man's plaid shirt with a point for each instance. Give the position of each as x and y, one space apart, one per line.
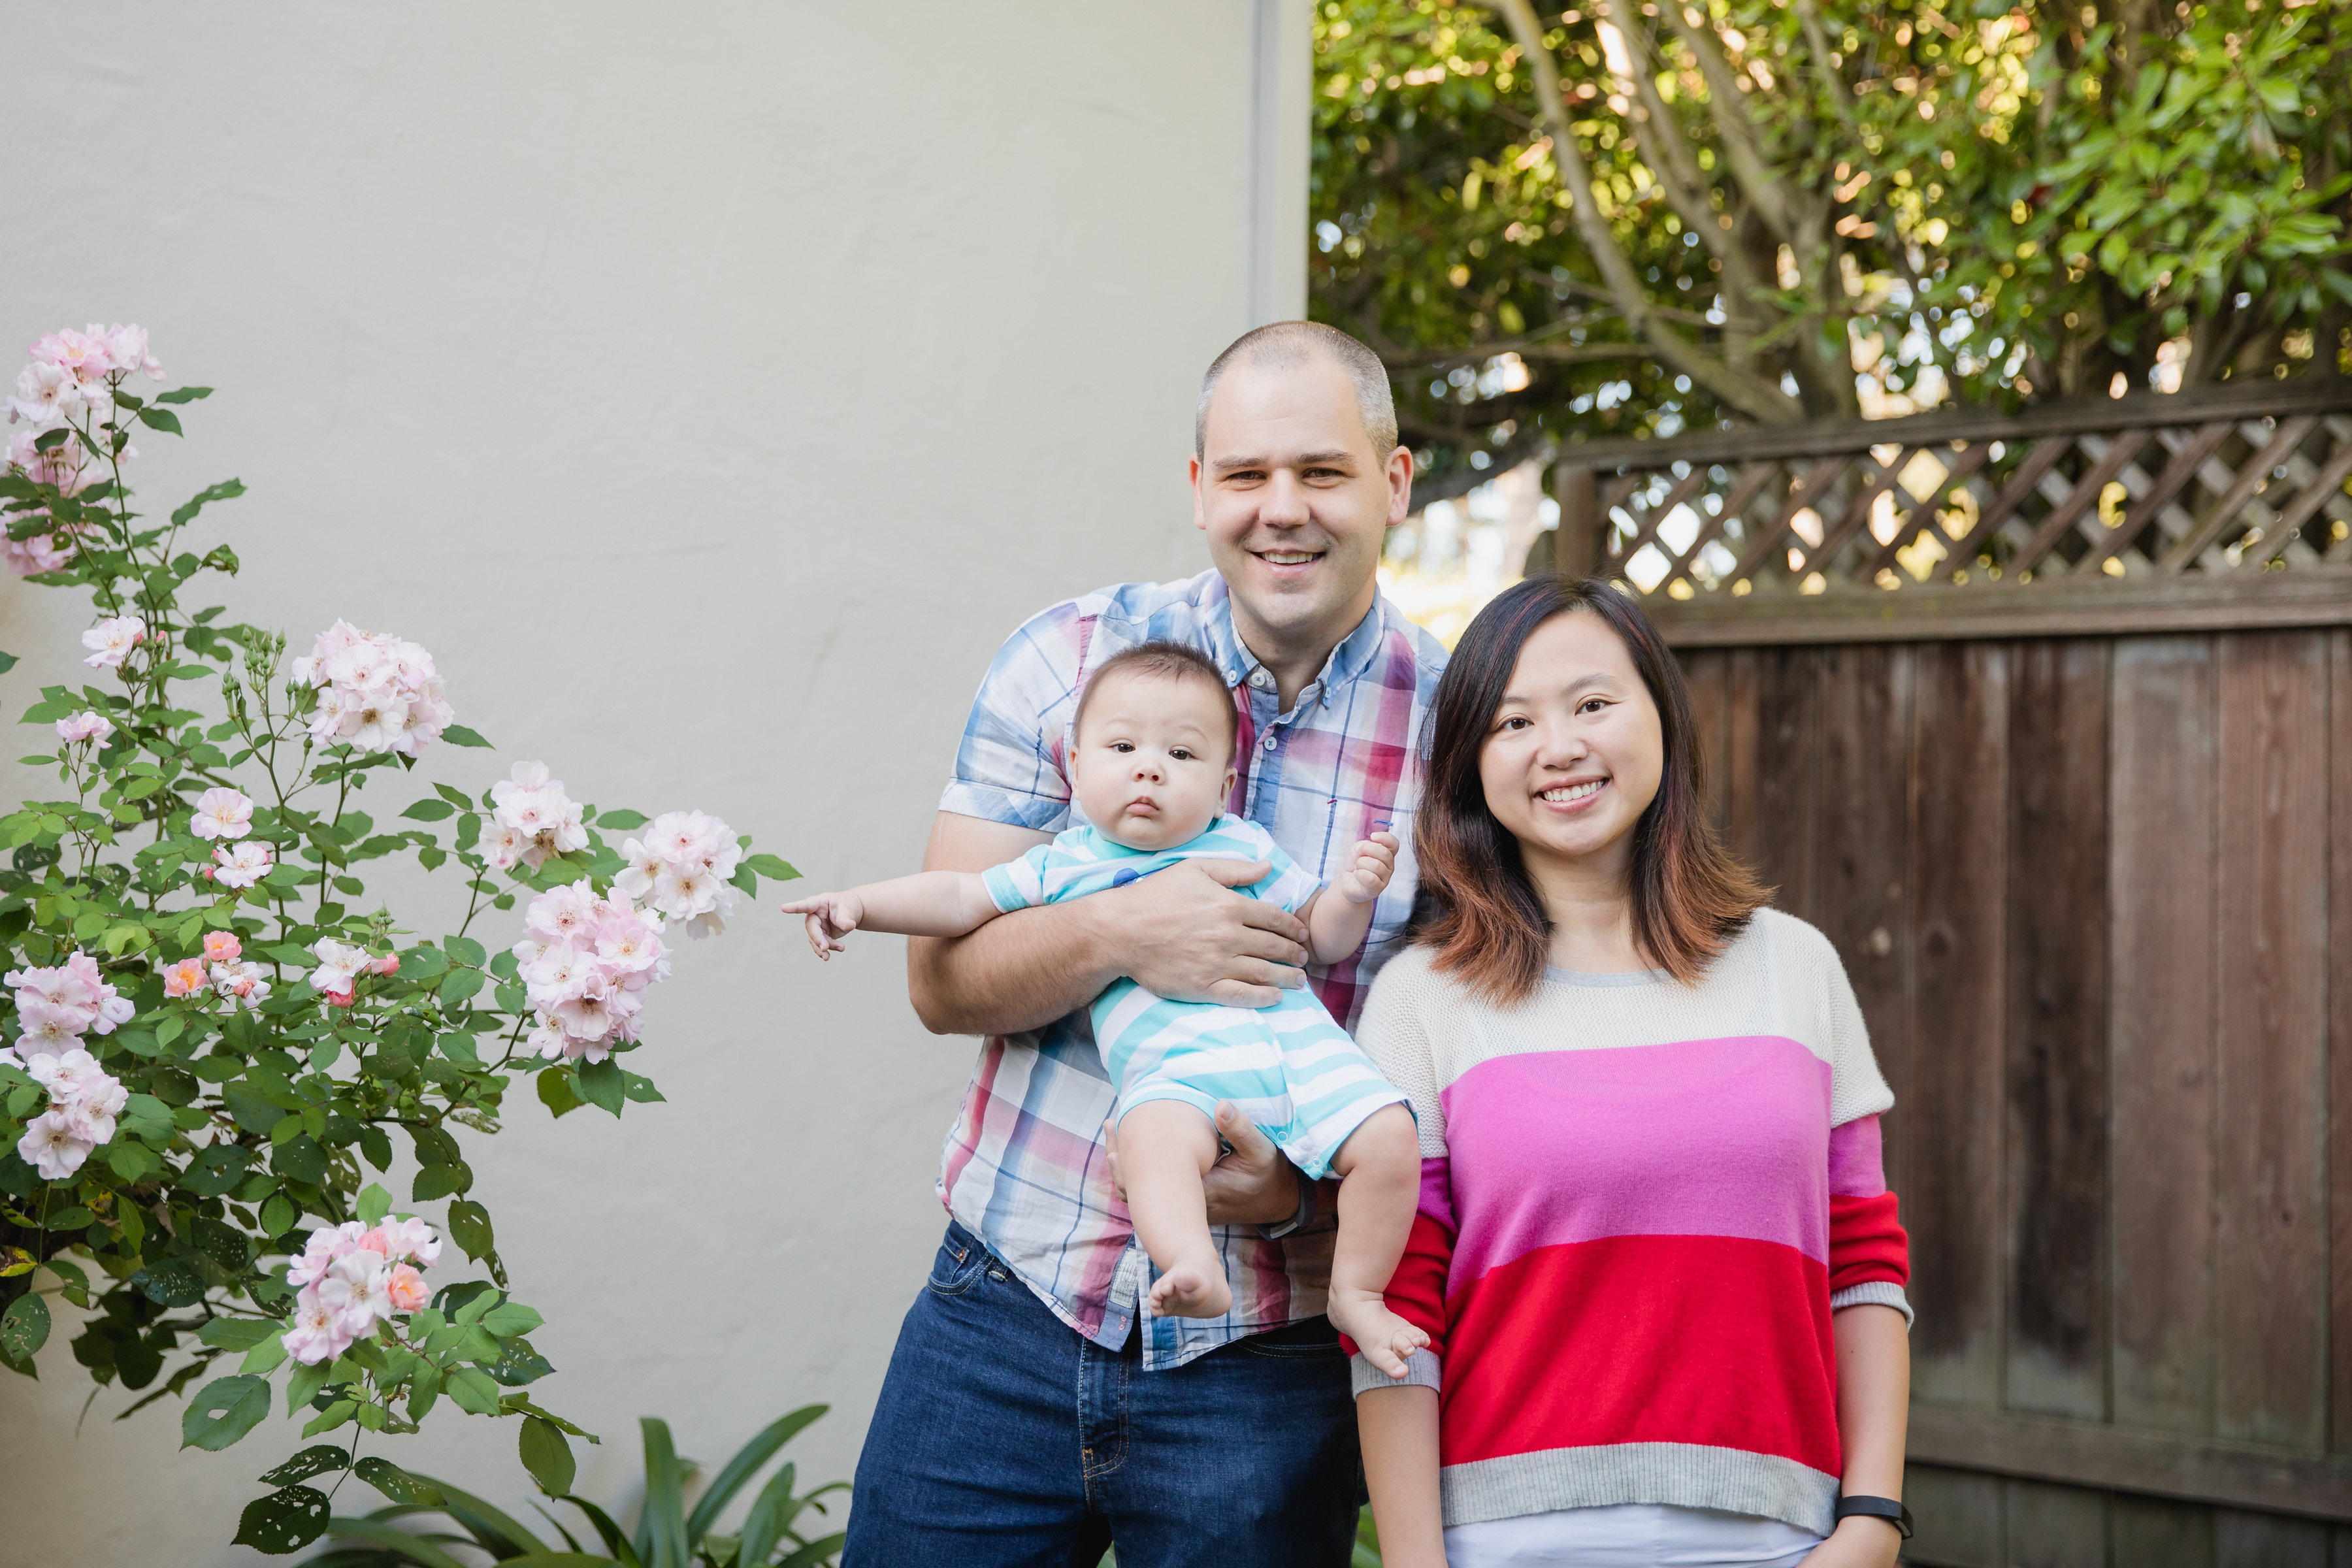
1024 1166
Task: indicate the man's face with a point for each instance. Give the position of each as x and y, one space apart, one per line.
1293 499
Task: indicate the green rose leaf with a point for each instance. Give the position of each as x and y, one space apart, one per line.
474 1391
286 1521
25 1328
429 811
439 1181
374 1205
239 1334
226 1410
599 1083
458 735
555 1091
771 867
266 1357
300 1160
466 950
314 1461
191 394
302 1385
469 1227
462 986
546 1455
511 1318
397 1484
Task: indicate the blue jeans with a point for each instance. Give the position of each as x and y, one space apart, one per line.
1005 1438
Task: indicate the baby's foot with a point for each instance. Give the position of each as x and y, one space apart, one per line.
1385 1339
1192 1289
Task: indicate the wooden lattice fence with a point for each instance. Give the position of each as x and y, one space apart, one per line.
2073 796
2226 508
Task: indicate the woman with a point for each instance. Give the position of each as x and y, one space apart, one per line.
1655 1255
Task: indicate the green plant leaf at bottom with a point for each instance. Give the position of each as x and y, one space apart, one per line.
286 1521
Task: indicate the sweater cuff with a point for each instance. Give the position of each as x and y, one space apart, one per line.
1420 1371
1869 1294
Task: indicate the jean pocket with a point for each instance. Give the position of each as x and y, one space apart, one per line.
958 1266
1313 1340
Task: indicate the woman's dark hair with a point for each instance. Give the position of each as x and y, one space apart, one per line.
1477 909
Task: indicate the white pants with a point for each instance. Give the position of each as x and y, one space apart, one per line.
1629 1535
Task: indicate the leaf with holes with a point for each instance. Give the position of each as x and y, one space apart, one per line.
286 1521
25 1328
397 1484
227 1409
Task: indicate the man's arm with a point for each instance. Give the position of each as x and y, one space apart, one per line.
1183 933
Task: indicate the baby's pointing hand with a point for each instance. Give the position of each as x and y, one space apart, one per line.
831 917
1370 868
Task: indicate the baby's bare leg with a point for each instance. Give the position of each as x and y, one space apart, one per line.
1165 1148
1379 1168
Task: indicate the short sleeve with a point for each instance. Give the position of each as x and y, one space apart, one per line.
1395 1034
1008 766
1856 1086
1018 884
1290 884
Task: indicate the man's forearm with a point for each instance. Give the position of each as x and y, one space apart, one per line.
1019 972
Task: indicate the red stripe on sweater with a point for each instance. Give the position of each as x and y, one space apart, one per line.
1867 1242
1719 1340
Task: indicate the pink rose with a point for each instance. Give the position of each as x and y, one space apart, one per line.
185 978
222 946
407 1289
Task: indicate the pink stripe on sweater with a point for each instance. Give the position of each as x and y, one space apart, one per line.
1725 1137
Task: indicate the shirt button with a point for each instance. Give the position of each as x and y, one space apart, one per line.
1258 679
1269 741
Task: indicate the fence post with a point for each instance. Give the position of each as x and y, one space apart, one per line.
1576 544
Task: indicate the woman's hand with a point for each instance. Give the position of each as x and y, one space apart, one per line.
1858 1543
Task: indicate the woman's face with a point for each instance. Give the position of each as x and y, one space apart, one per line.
1574 753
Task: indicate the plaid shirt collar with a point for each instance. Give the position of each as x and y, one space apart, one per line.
1345 662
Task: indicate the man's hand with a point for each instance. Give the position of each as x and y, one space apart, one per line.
1190 938
1251 1183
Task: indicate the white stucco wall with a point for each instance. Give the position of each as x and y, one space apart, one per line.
710 388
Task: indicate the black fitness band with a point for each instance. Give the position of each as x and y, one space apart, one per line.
1305 1211
1884 1508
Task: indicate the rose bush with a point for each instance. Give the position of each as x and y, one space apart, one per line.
212 1040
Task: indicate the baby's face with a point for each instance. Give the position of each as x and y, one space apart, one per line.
1153 766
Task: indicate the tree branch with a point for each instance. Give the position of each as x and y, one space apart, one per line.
1751 394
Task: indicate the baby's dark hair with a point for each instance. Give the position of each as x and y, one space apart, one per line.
1164 661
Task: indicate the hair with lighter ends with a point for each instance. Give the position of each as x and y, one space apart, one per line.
1164 661
1284 345
1477 907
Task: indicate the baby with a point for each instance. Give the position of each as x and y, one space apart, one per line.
1152 763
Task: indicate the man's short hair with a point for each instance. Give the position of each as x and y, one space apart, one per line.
1164 661
1284 345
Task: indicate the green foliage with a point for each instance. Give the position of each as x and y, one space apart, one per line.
244 1123
2014 201
670 1533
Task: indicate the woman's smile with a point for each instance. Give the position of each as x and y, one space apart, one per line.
1573 794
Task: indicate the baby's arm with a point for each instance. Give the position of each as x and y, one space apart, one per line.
928 903
1336 926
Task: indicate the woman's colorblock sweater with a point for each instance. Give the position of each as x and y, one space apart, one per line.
1641 1202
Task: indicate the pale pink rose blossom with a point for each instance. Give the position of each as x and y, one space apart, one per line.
84 726
126 350
501 845
92 1112
222 812
112 640
377 692
320 1334
325 1245
358 1286
388 964
45 396
536 809
339 964
53 1146
46 1027
414 1240
681 867
83 356
221 947
242 864
243 983
185 978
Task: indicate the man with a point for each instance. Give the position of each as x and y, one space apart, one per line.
1033 1412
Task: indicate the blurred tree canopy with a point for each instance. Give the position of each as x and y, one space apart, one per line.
1639 218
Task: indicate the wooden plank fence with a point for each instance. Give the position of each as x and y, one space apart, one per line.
2046 720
